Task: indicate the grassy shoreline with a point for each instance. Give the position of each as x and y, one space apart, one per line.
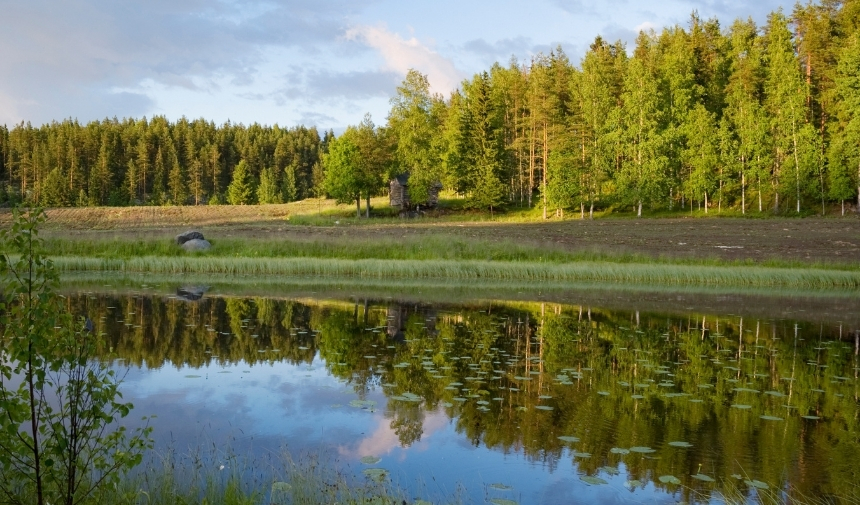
468 270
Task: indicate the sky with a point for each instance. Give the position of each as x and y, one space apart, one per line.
323 63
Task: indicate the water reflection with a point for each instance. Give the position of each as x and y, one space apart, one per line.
565 396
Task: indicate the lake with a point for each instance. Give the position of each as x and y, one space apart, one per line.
529 401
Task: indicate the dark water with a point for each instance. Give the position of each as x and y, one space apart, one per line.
559 403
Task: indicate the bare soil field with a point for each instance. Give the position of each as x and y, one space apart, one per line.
811 239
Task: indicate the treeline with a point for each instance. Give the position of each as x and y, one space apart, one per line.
156 162
746 118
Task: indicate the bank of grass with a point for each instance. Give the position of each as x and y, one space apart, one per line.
472 270
416 248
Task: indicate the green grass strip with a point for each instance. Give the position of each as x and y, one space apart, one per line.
631 273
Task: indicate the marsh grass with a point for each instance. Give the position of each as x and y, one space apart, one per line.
216 476
473 270
425 247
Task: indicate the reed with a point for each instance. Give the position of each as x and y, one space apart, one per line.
474 270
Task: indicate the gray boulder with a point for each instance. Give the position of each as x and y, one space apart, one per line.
196 244
188 235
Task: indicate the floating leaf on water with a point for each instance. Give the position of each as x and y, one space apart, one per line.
817 390
568 438
814 418
772 418
584 455
458 399
774 393
637 397
757 484
594 481
611 470
603 393
678 443
746 390
619 450
544 407
670 479
503 501
544 397
702 477
642 450
500 487
696 400
192 376
376 474
740 406
737 476
370 460
632 484
280 493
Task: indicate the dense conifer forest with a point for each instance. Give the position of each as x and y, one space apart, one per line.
705 116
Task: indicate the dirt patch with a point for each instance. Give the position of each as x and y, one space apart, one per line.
812 240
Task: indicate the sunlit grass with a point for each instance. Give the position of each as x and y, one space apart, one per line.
582 271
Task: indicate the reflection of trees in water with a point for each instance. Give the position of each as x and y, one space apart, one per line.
571 355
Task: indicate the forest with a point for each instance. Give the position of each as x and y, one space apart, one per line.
743 118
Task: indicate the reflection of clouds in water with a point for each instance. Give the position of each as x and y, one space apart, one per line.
384 438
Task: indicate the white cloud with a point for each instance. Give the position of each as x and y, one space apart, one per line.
644 27
400 55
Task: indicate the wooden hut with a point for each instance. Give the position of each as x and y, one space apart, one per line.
398 193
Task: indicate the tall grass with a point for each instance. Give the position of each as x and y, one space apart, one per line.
218 477
433 246
584 271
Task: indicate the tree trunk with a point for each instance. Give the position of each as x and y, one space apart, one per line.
706 202
743 193
543 162
358 207
367 210
591 211
639 209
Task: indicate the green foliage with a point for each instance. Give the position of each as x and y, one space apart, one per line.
58 439
268 191
241 189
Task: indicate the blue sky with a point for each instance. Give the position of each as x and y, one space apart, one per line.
323 63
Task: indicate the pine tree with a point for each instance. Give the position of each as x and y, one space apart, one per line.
241 189
268 191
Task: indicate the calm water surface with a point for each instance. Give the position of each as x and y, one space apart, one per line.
532 402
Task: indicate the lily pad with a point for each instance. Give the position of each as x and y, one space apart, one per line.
814 418
678 443
632 484
192 376
772 418
377 474
594 481
757 484
567 438
670 479
704 478
370 460
544 407
583 455
642 450
280 493
500 487
503 501
742 407
619 450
